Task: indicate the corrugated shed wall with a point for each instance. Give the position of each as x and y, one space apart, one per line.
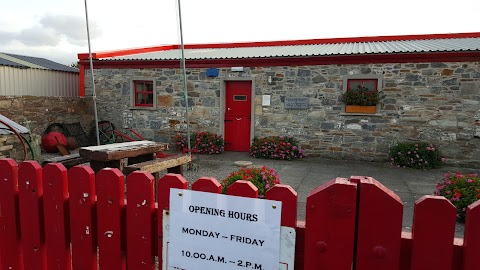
37 82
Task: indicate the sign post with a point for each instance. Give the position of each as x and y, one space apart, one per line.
215 231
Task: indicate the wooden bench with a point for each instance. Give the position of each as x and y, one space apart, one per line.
68 160
173 164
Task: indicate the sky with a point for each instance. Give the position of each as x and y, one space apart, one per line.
56 29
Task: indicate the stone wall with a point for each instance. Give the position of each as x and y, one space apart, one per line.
433 102
38 112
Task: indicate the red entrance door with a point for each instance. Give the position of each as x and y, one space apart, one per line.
238 114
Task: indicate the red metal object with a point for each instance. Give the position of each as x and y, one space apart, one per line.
110 214
378 236
471 244
140 210
432 233
243 188
238 108
51 139
289 198
55 204
31 215
10 252
82 201
330 226
207 184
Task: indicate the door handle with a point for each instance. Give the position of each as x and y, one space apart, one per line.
228 110
239 118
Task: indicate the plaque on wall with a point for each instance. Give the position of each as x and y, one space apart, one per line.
296 103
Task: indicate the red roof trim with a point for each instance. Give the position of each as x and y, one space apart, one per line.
108 54
294 61
99 55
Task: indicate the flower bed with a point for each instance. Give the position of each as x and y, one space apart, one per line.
276 147
420 155
461 190
263 178
201 142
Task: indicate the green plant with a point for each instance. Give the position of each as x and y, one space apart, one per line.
420 155
263 178
276 147
361 96
461 190
201 142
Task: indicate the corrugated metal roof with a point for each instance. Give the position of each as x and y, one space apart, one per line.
332 49
4 130
5 62
35 61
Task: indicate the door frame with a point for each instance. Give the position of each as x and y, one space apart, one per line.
223 94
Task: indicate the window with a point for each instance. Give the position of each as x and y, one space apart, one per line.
240 98
370 84
368 87
143 94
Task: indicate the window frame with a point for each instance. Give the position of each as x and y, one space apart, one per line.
362 77
134 92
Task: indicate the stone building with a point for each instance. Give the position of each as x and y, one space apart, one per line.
429 87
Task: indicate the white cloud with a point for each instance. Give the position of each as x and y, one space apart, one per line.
72 28
38 36
50 30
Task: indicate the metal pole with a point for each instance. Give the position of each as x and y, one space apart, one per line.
184 72
94 95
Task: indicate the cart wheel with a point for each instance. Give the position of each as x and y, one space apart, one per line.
105 132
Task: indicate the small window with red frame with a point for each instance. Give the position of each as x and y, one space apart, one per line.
143 93
370 84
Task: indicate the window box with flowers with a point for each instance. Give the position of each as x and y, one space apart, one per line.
361 95
361 100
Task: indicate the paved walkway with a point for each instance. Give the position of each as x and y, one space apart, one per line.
306 174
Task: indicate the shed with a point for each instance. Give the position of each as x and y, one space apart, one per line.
22 75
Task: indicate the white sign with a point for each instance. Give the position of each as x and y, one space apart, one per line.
265 100
215 231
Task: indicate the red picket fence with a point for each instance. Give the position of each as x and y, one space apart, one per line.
52 218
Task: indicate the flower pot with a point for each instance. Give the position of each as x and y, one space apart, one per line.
360 109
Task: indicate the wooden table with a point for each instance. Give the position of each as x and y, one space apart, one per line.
113 155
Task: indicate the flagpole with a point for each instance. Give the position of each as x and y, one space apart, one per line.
184 72
94 95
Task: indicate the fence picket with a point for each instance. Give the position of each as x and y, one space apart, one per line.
10 251
55 202
30 189
164 185
432 233
243 188
330 226
471 244
110 216
140 212
207 184
379 226
81 191
289 198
